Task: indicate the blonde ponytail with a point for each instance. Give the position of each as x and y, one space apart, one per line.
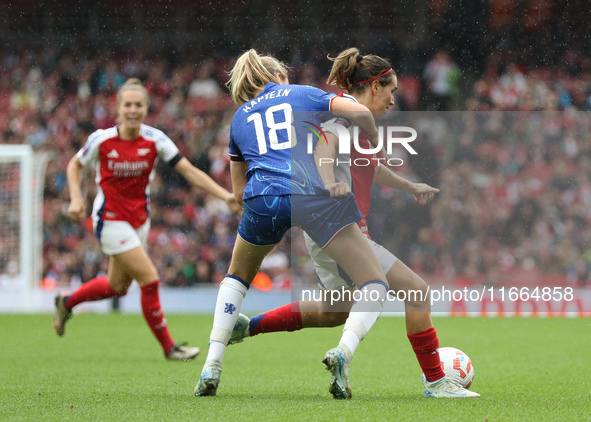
251 73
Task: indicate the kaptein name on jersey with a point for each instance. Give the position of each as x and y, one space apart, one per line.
128 168
273 94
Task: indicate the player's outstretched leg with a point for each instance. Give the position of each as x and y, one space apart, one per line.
446 388
285 318
95 289
292 317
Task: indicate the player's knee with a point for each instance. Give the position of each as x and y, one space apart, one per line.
334 319
420 285
413 287
418 294
120 287
147 277
120 290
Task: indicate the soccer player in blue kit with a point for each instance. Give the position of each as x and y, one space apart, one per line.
277 180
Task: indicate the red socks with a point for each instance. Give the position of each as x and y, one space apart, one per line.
154 315
98 288
279 319
95 289
425 346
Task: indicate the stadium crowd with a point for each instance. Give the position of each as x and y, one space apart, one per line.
515 188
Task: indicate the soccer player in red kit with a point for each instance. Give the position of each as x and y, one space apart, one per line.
124 157
370 81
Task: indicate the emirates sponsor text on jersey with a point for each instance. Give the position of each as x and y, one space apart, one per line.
128 168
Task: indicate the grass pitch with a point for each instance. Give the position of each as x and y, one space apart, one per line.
109 368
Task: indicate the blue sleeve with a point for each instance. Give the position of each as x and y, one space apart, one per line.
233 150
320 100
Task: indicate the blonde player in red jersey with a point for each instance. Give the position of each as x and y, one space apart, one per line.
370 81
124 157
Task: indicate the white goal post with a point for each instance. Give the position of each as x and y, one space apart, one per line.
22 181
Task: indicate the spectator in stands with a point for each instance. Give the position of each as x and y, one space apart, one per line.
533 156
204 86
439 75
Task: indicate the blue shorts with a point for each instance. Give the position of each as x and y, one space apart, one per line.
266 219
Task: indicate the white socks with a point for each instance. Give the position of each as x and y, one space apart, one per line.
364 313
227 308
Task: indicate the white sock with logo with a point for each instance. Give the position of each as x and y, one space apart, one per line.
227 308
364 313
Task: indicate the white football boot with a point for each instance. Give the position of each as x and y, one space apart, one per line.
181 352
445 388
338 362
210 379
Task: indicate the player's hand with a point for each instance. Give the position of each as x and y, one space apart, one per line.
77 210
234 206
422 192
338 189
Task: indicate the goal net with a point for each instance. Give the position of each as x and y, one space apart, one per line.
22 177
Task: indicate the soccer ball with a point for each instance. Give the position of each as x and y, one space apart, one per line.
456 365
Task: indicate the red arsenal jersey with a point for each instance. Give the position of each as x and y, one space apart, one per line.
124 169
362 174
356 169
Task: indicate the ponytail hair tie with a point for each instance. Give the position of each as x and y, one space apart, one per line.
359 58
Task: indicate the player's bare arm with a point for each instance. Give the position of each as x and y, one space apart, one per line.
358 113
422 192
202 181
238 172
77 208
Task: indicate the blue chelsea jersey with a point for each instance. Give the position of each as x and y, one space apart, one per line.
275 134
